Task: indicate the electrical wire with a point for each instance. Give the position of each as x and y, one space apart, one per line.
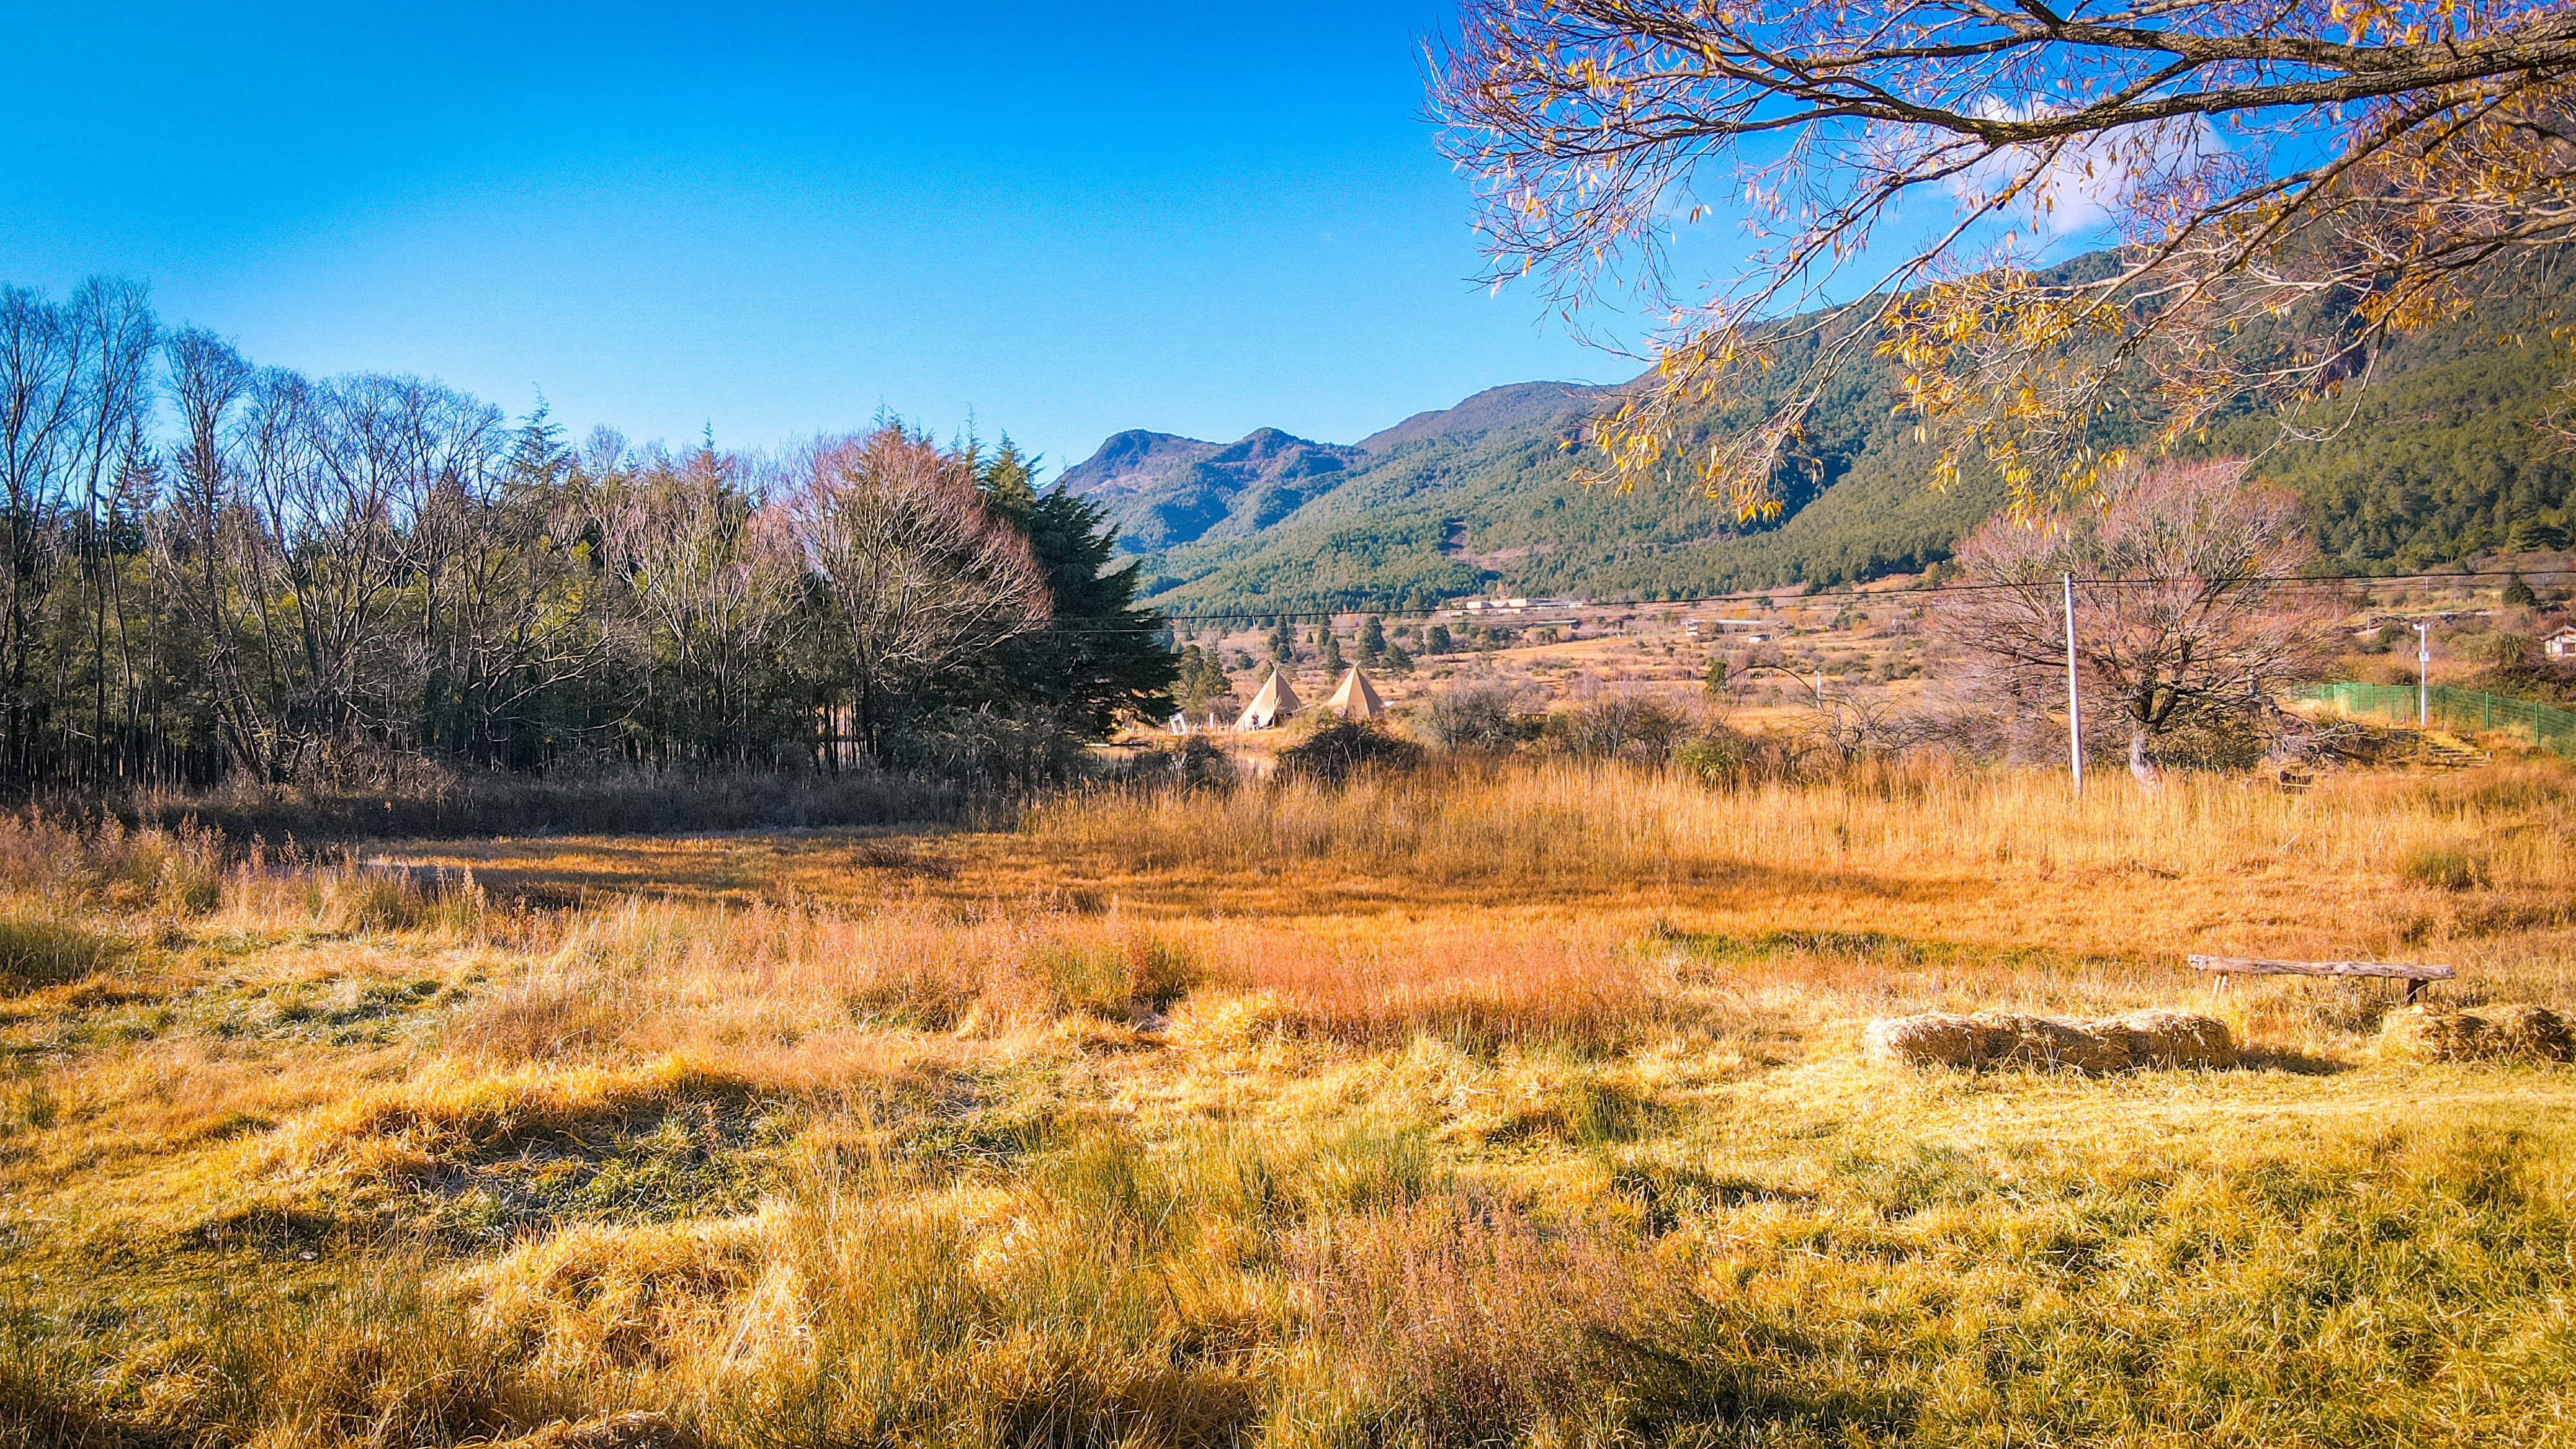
1779 600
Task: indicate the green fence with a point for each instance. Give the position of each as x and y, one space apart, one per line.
2465 710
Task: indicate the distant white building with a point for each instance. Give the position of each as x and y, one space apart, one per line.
2560 645
1716 628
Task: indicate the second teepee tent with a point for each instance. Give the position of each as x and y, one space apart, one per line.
1357 698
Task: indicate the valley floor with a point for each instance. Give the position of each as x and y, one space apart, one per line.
1509 1103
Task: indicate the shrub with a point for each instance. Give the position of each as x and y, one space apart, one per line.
1717 756
1637 728
2228 741
360 898
2445 869
1193 762
1344 748
40 951
1478 717
1465 1324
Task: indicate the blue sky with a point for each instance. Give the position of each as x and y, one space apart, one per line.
781 218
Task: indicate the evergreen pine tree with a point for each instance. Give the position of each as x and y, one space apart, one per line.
2517 592
1104 652
1372 639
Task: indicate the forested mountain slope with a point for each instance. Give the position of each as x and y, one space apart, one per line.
2450 454
2443 457
1164 491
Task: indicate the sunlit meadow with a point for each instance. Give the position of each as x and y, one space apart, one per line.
1490 1103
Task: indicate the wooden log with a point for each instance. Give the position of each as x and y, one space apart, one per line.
2412 973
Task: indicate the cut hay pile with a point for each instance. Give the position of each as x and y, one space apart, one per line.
2478 1033
2001 1038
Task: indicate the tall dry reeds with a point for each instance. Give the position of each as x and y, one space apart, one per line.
1559 820
1462 1322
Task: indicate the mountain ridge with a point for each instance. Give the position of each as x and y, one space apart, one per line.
1164 490
2446 457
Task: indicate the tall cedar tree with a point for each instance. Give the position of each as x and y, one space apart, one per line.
1104 654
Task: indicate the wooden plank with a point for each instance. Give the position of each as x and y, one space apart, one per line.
2256 966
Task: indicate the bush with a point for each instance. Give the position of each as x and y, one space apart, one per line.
39 951
1478 717
1470 1325
1192 762
1636 728
2444 869
1336 752
1717 756
2226 741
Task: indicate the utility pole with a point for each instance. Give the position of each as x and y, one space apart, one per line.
2424 675
2074 703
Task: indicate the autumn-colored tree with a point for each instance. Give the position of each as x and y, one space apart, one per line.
920 572
2289 182
2189 612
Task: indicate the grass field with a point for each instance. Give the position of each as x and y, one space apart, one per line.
1496 1103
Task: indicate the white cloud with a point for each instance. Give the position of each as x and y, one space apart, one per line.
2087 184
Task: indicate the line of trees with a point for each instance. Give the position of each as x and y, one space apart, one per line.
216 567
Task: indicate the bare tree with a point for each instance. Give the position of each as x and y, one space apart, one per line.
515 610
919 571
2291 182
383 448
711 579
207 380
114 398
321 578
43 357
2189 611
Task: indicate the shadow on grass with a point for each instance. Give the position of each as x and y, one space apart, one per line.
2282 1059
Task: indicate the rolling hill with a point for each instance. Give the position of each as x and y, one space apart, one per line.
2441 459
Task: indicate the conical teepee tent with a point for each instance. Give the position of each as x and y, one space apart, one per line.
1357 698
1275 702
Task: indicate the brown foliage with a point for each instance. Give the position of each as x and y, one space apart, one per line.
920 571
1468 1324
2188 611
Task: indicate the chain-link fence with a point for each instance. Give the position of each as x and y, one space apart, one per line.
2462 710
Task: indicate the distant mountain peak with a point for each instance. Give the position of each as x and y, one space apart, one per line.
1512 405
1163 490
1133 460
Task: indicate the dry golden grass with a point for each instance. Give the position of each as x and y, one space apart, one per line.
1498 1103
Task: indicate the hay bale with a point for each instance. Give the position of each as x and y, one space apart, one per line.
2528 1033
2431 1034
2510 1032
1997 1038
2173 1039
2046 1041
1934 1039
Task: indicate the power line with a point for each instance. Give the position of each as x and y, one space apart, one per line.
1776 600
